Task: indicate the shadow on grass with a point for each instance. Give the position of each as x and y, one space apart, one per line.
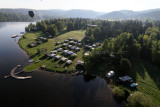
43 57
141 66
153 71
34 55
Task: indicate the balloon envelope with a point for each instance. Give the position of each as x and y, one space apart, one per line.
31 13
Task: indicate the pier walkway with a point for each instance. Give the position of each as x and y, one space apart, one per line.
13 74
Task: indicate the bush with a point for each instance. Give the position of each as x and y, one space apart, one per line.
119 94
125 65
138 99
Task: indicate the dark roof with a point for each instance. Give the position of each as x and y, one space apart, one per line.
32 45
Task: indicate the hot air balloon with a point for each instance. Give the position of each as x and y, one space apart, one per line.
31 13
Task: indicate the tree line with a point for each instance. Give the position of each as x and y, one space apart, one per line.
104 28
15 17
126 45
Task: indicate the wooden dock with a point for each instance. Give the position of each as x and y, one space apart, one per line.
13 74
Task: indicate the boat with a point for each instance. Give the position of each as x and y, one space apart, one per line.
14 36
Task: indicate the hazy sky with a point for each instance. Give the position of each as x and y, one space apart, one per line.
97 5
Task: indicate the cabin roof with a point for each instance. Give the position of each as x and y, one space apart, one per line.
125 78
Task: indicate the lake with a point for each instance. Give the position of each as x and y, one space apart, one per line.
45 89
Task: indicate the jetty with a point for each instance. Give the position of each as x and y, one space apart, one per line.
13 74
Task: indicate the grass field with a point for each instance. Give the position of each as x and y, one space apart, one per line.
148 78
50 45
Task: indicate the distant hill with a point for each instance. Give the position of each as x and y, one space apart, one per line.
152 14
55 13
22 14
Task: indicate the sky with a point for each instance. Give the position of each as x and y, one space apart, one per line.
96 5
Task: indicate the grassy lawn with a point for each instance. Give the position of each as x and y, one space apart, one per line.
148 78
50 45
144 73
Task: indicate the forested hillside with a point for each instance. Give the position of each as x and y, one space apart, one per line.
15 17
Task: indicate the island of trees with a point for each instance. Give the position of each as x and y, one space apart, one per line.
127 47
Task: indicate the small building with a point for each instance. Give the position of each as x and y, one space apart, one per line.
45 40
47 54
66 41
57 47
79 44
52 55
90 25
50 36
86 54
57 57
75 43
94 45
79 41
64 44
31 60
71 42
80 63
43 66
87 47
40 38
63 59
31 45
57 43
65 52
68 62
74 54
77 49
60 50
70 39
69 46
73 47
69 53
125 79
54 52
39 42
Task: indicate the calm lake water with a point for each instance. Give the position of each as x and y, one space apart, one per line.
45 89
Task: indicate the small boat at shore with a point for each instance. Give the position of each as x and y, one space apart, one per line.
14 36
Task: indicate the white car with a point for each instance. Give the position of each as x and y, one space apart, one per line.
110 74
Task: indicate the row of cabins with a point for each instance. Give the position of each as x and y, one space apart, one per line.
64 59
92 47
65 52
58 57
70 41
70 47
40 41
